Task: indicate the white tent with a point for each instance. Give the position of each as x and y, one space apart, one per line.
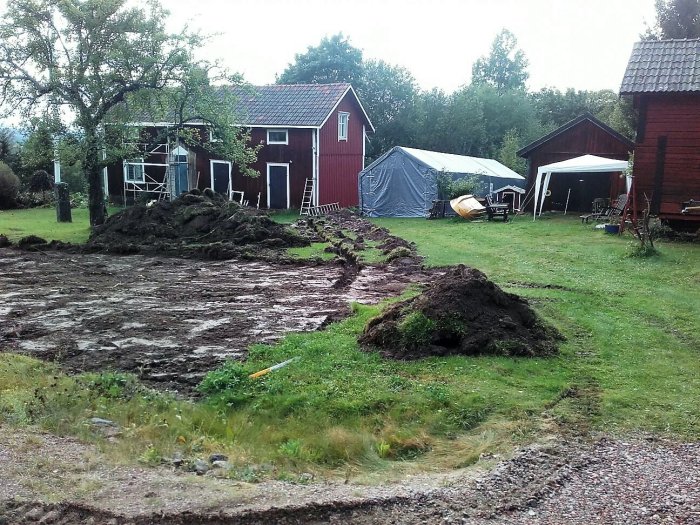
584 164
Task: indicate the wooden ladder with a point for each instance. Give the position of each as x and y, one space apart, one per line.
307 198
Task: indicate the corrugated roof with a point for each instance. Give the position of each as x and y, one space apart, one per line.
450 163
663 66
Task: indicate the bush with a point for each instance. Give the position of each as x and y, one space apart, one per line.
41 181
79 200
26 199
9 186
451 189
459 187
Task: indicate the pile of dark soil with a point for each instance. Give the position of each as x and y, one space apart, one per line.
196 224
462 312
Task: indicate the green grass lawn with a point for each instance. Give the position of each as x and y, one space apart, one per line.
633 324
631 362
16 224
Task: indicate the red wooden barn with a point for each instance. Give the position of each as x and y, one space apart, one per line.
307 131
581 136
662 77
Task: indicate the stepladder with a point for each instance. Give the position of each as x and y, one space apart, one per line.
308 197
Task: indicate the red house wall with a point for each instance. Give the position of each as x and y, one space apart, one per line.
583 139
676 117
341 161
298 154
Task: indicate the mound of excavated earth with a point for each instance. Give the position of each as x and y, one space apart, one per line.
202 224
461 312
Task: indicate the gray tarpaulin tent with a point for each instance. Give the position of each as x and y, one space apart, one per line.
403 181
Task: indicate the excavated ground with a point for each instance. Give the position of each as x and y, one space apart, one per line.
169 320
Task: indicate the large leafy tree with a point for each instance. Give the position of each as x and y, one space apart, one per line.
37 151
505 68
555 108
388 94
333 60
88 57
675 19
508 152
203 92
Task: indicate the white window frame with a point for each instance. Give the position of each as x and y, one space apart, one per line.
343 125
286 136
286 165
138 169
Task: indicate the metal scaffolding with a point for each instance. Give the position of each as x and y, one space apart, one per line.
156 170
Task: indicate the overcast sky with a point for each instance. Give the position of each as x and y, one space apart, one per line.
583 44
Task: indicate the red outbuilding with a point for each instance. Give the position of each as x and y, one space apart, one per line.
662 77
585 135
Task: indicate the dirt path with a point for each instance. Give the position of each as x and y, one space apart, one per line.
169 320
47 479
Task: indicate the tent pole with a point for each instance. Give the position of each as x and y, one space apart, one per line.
545 187
538 180
566 206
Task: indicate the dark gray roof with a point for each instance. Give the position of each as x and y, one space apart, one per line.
663 66
288 104
525 151
279 105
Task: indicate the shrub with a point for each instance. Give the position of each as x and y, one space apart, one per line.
449 188
9 186
78 200
41 181
464 186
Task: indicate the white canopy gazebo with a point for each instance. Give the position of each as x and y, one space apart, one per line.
584 164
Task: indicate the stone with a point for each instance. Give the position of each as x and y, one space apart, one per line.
34 514
176 460
50 517
99 422
201 467
221 464
218 457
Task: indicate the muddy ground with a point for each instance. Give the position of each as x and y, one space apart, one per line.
170 320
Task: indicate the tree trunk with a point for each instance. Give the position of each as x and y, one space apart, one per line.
63 213
93 173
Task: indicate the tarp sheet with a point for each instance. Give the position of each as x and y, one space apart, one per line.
583 164
404 181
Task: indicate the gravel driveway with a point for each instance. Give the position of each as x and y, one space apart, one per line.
610 481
